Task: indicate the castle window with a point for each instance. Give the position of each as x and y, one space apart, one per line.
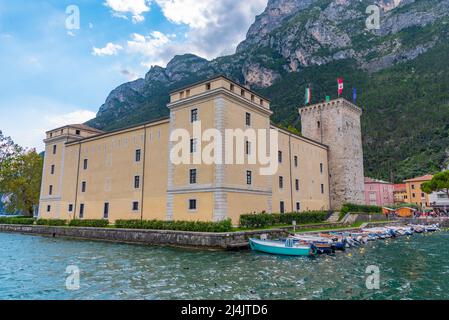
280 156
106 210
232 87
281 182
193 145
282 206
318 124
188 93
78 132
85 164
298 206
135 206
413 195
248 119
48 208
50 190
208 86
192 204
51 134
248 148
70 207
261 102
242 93
81 215
321 168
193 115
249 177
192 177
296 161
83 186
181 95
52 169
322 188
413 186
138 155
253 97
54 149
136 182
297 184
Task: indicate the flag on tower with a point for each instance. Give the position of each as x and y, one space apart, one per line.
340 86
308 95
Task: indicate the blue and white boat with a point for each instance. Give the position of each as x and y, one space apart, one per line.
287 248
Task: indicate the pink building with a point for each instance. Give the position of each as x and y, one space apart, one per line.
379 193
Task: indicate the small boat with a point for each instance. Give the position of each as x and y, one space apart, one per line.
287 248
322 245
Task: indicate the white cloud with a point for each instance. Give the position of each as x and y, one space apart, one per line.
215 28
152 47
75 117
136 8
111 49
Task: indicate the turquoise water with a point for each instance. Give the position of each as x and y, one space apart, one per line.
34 268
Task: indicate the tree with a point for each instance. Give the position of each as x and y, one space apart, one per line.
20 181
439 182
7 148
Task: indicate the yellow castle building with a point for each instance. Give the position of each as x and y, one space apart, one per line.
130 173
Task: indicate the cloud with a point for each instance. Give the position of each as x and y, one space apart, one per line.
74 117
152 47
136 8
131 75
111 49
214 28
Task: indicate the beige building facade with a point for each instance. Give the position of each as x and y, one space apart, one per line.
130 173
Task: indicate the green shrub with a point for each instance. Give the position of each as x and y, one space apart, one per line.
196 226
263 220
17 220
356 208
89 223
51 222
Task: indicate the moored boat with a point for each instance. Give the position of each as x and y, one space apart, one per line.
287 248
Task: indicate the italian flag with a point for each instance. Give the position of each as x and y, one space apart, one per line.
308 95
340 86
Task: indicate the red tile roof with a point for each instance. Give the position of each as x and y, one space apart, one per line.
400 187
427 177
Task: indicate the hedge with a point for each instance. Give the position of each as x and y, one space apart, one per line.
89 223
196 226
263 220
16 220
356 208
51 222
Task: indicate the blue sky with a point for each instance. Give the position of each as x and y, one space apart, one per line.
52 73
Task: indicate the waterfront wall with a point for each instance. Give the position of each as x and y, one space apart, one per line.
227 241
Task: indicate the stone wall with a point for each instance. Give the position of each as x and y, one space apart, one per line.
337 125
231 240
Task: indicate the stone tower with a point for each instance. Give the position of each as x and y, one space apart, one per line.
337 124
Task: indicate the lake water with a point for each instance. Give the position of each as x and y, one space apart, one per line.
32 267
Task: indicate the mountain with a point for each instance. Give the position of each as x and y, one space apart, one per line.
401 72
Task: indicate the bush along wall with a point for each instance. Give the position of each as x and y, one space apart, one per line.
17 220
356 208
195 226
264 220
51 222
89 223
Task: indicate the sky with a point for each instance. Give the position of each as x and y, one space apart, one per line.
60 59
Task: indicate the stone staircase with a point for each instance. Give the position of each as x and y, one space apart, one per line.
334 218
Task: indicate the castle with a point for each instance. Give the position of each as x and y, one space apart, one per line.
130 173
